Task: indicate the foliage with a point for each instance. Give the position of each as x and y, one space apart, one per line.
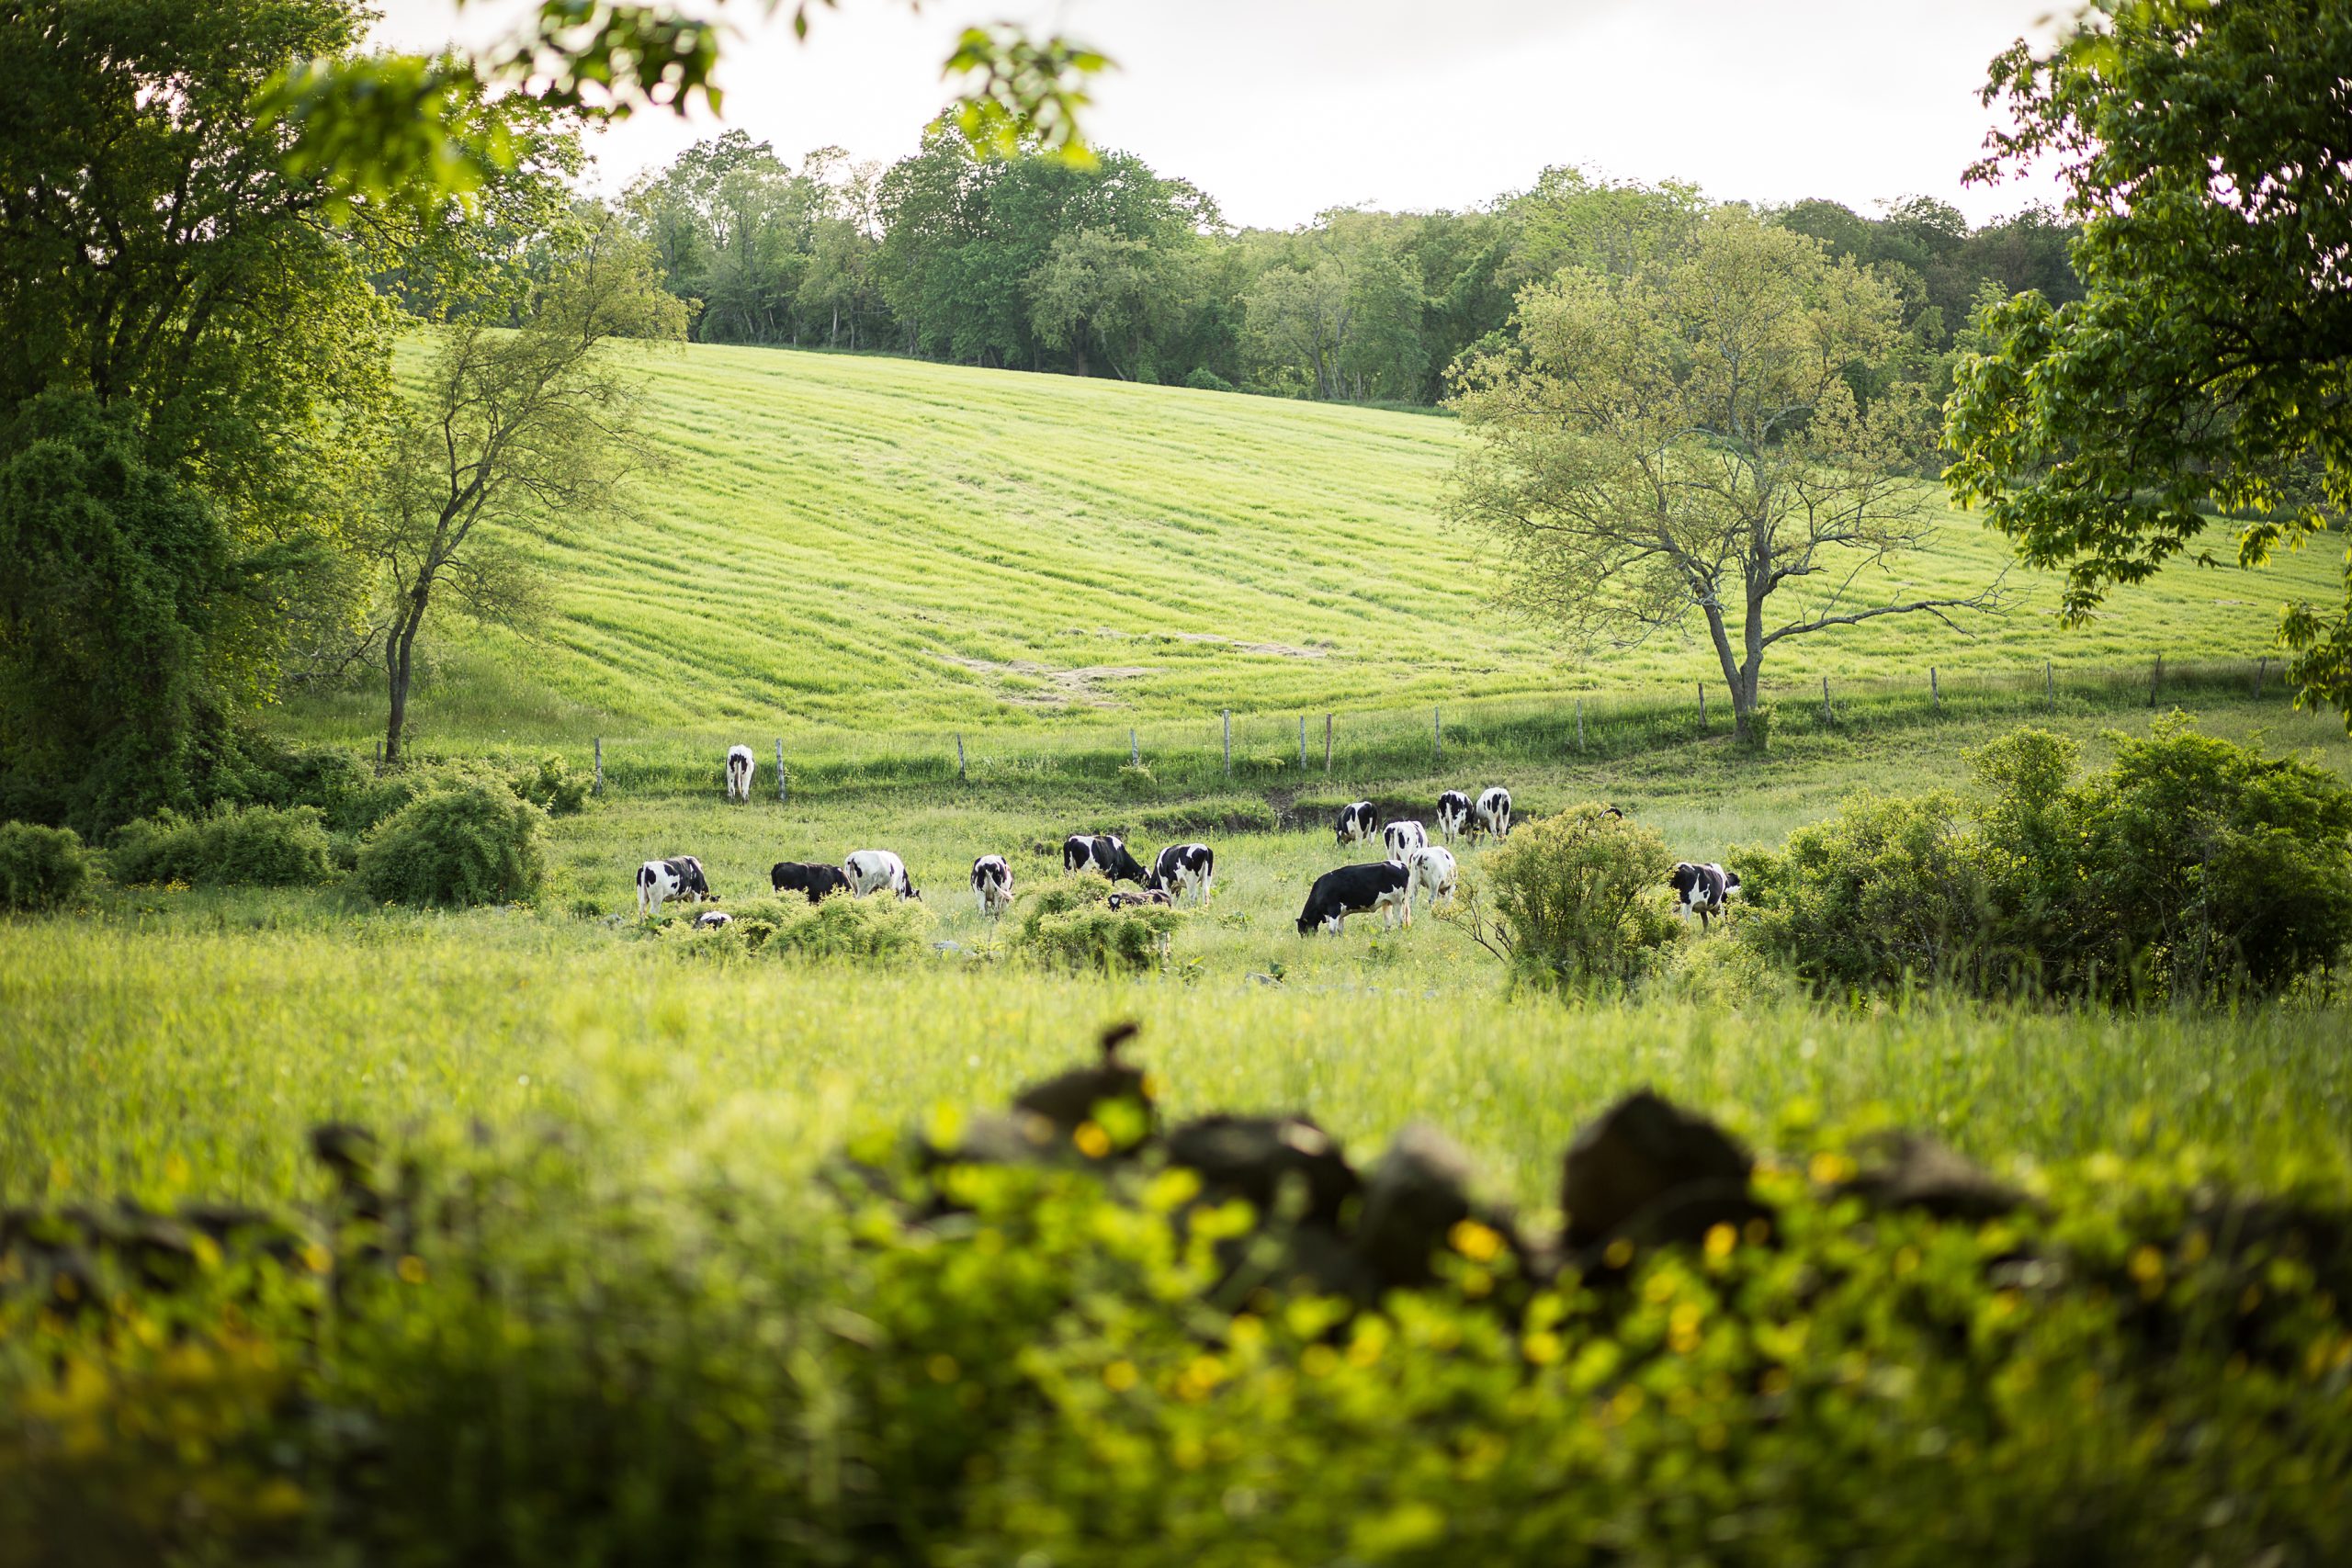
1574 898
257 846
876 929
1680 439
1067 924
468 843
2201 374
41 868
2190 867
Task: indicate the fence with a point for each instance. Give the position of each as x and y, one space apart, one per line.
1303 752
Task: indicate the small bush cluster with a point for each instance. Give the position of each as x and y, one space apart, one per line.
1573 899
2190 867
41 868
865 930
1214 814
1067 923
464 843
253 846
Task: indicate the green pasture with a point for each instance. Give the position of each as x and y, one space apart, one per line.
878 547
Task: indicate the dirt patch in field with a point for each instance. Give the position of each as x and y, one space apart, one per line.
1279 650
1081 687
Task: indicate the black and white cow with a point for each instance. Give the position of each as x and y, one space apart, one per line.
807 878
992 886
1705 888
1453 814
1382 885
1403 838
659 881
1105 852
1358 822
870 870
1145 900
1492 813
1181 869
711 920
1432 873
739 765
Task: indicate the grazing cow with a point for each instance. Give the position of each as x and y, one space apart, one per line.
711 920
1705 888
1358 822
1453 814
739 764
872 869
659 881
807 878
1145 900
992 886
1431 872
1357 890
1105 852
1492 814
1184 868
1403 838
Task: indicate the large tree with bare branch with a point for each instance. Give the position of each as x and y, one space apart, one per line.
521 435
1682 440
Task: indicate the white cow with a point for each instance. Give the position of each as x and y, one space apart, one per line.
740 766
659 881
992 886
871 869
1492 813
711 920
1453 814
1403 838
1433 874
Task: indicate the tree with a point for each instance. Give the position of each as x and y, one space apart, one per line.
1682 440
2206 371
523 436
1096 290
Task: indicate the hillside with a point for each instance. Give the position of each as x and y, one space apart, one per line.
882 545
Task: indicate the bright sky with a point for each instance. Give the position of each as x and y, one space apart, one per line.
1279 109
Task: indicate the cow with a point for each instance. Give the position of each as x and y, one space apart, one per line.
1184 868
739 764
711 920
1431 870
807 878
1705 888
659 881
1492 813
1148 898
1357 890
1453 814
871 869
992 886
1403 838
1358 822
1105 852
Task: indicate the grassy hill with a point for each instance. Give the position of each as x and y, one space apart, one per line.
885 545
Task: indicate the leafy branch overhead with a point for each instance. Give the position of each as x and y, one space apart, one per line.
412 129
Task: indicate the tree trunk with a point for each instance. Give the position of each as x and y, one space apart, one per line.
400 651
836 340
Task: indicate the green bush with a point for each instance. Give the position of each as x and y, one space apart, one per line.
465 843
1207 381
869 929
41 868
254 846
1212 814
1067 923
551 785
546 783
1575 900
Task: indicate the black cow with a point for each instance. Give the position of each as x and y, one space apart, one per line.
1453 814
992 886
1105 853
1705 888
659 881
1184 868
1358 822
1357 890
1147 897
803 876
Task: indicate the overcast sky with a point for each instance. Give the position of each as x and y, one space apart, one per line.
1279 109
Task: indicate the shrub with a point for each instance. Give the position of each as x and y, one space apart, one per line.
1214 814
1205 380
41 868
467 843
1067 923
549 785
875 928
1574 898
254 846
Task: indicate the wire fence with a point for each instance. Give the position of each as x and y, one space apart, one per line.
1311 754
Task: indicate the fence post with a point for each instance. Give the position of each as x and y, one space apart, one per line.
1327 743
1702 707
780 791
2156 679
1135 753
600 766
1302 743
380 758
1580 724
1827 716
1934 692
2048 688
2259 672
1228 743
1437 734
959 755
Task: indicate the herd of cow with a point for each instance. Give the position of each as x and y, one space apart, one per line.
1413 867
